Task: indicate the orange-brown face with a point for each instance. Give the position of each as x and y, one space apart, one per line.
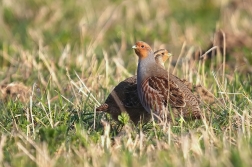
142 49
162 55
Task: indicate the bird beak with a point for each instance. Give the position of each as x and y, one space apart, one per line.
134 47
169 54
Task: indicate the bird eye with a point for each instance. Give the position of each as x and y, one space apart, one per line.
163 53
142 46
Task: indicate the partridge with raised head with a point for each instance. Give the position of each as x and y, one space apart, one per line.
159 90
124 96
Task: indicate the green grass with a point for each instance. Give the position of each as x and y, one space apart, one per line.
72 53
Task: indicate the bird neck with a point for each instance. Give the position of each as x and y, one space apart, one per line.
159 62
145 67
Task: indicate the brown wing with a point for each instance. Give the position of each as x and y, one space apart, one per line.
192 103
131 97
115 99
158 90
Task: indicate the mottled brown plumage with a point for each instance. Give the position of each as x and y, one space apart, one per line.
124 97
158 90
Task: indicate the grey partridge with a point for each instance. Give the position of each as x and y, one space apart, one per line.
124 96
159 90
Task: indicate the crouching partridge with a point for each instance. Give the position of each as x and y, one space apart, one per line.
124 96
160 92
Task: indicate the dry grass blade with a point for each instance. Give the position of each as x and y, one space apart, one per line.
49 67
208 51
93 99
2 143
23 148
181 53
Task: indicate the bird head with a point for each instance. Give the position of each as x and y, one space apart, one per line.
162 55
142 49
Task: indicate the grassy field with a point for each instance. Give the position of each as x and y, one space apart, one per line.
60 59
